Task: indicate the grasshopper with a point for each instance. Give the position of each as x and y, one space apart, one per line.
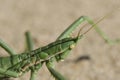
16 65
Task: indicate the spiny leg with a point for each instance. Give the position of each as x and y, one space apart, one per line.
30 45
75 24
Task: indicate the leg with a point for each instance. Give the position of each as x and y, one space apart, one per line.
30 43
7 48
34 71
11 52
54 73
33 75
8 73
75 24
100 32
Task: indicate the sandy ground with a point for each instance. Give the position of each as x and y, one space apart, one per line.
46 19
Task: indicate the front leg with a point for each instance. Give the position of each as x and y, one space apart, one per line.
76 24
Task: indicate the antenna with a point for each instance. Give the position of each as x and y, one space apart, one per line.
94 24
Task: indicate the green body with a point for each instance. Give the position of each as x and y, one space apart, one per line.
20 60
16 65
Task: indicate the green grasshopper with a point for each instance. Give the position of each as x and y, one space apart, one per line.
16 65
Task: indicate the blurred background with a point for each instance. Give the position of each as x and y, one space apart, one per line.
47 19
